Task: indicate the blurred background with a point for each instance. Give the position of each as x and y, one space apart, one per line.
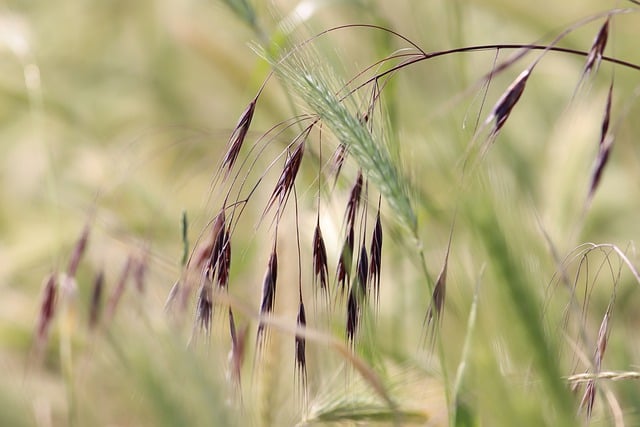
116 114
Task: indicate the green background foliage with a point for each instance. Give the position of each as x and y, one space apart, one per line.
117 114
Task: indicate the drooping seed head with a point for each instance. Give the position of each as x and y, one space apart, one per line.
603 338
363 271
300 344
343 270
204 306
507 101
607 115
288 176
78 251
238 136
600 163
237 353
217 244
353 314
376 256
597 49
95 307
354 201
268 290
47 310
588 398
337 160
320 265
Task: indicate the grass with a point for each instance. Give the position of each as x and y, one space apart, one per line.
361 214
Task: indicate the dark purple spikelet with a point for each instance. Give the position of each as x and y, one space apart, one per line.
434 314
353 314
337 161
597 49
343 270
376 257
47 310
216 246
224 261
78 251
288 176
607 115
354 201
238 136
300 347
204 306
601 161
268 290
320 265
95 306
363 271
507 101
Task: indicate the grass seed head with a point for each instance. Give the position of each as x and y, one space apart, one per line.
268 290
507 101
363 270
601 162
353 314
78 251
238 136
376 256
597 49
288 176
354 201
96 300
301 358
47 310
204 306
343 270
320 265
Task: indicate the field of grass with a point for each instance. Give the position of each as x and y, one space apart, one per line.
350 212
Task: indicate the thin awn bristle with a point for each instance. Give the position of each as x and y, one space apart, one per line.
507 101
238 136
268 291
96 301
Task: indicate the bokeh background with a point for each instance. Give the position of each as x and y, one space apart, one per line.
116 114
